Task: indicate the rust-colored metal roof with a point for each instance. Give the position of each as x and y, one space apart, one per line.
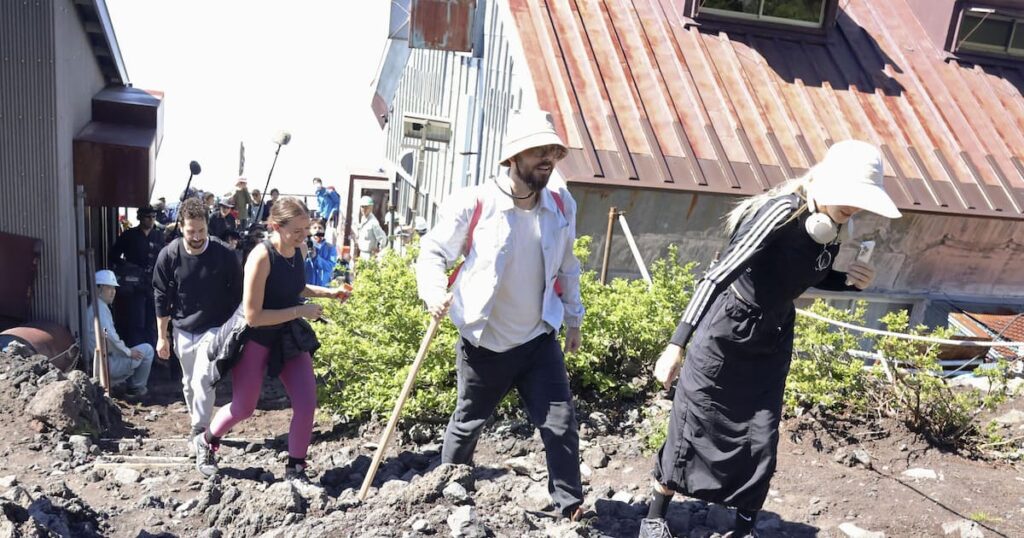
648 99
1009 326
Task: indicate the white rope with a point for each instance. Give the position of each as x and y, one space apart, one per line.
918 338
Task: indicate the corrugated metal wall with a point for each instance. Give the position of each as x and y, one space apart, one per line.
47 79
78 79
475 92
28 152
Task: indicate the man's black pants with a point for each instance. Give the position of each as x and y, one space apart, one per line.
537 370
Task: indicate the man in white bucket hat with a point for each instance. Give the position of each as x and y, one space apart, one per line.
519 285
128 365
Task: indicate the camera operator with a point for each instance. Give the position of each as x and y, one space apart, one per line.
321 256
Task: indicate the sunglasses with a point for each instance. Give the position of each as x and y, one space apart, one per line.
554 151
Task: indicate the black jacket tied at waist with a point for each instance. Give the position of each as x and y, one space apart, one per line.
285 341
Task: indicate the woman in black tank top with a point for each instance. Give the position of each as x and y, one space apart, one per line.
280 341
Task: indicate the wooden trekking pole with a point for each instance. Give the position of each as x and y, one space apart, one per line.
410 380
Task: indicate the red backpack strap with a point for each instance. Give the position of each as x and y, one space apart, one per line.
558 202
477 210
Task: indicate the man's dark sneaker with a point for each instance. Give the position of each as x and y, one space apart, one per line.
732 534
206 455
654 528
136 392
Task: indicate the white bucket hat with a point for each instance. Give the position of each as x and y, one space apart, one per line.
365 201
851 174
105 277
528 129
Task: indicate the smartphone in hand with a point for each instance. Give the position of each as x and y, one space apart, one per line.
863 255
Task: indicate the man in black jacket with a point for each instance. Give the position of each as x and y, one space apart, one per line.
197 285
222 220
132 259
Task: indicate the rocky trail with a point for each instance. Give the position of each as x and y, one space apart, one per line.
74 463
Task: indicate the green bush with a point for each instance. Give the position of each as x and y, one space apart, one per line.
627 325
367 352
822 374
908 387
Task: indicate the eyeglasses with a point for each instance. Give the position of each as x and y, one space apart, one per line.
555 151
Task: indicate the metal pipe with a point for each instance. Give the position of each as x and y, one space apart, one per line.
636 251
612 211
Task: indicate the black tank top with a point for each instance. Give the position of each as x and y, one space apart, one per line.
286 280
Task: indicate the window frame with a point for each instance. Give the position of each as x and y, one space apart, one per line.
961 46
758 23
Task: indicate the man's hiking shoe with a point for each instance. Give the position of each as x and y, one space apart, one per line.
732 534
206 455
654 528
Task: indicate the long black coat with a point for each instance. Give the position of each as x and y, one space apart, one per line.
723 431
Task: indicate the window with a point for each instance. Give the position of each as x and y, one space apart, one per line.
982 30
809 13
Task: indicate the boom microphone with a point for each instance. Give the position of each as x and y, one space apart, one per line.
194 169
282 138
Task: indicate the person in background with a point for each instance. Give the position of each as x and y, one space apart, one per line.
328 202
242 201
738 328
274 194
276 341
162 214
222 221
321 258
132 258
369 236
210 201
197 284
257 198
128 366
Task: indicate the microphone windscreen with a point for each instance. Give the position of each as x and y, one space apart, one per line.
282 138
194 167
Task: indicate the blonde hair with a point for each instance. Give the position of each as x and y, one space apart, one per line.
750 205
285 209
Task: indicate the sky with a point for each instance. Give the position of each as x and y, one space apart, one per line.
241 70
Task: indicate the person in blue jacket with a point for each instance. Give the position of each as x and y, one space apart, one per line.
322 257
328 202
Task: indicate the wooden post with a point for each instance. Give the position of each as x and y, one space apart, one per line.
612 212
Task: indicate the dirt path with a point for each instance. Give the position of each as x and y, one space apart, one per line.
139 481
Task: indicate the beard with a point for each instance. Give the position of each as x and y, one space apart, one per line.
196 245
536 179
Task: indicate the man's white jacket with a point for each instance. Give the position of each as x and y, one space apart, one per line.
484 266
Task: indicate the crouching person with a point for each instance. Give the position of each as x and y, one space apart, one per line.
268 336
128 366
519 284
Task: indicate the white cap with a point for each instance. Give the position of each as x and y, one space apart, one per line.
105 277
420 224
528 129
851 174
365 201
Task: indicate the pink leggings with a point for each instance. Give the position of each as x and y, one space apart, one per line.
246 382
